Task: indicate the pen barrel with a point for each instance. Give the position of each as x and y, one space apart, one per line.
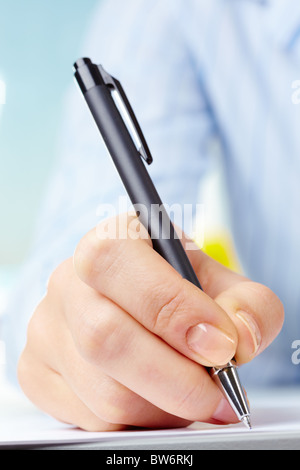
137 181
147 202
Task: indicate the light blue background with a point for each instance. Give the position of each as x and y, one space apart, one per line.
39 41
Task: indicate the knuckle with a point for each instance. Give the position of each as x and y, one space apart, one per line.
95 253
97 339
91 337
171 307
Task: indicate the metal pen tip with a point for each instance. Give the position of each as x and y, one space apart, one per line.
247 422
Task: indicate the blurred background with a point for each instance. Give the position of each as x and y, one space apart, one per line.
39 41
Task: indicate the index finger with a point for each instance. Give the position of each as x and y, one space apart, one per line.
141 282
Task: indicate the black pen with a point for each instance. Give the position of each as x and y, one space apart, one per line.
127 146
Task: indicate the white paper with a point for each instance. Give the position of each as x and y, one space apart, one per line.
277 414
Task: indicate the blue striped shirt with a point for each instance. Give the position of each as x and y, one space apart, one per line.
197 72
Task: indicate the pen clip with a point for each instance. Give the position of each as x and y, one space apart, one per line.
127 113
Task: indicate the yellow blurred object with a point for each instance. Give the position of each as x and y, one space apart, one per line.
220 246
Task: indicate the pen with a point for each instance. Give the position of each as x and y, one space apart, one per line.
128 148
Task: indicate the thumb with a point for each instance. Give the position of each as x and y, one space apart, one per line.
257 314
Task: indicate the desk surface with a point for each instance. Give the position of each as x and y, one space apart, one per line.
275 416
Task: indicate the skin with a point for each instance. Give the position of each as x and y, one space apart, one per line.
113 345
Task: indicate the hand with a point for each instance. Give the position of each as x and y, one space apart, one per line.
120 339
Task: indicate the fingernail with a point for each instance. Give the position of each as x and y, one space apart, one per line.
253 329
213 344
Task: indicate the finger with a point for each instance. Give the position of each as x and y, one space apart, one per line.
60 382
51 394
119 346
143 284
104 398
258 315
256 311
104 406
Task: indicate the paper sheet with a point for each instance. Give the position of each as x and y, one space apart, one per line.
277 414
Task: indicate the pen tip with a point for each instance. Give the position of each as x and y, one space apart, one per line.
247 422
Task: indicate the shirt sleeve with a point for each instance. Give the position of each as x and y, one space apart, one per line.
142 44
